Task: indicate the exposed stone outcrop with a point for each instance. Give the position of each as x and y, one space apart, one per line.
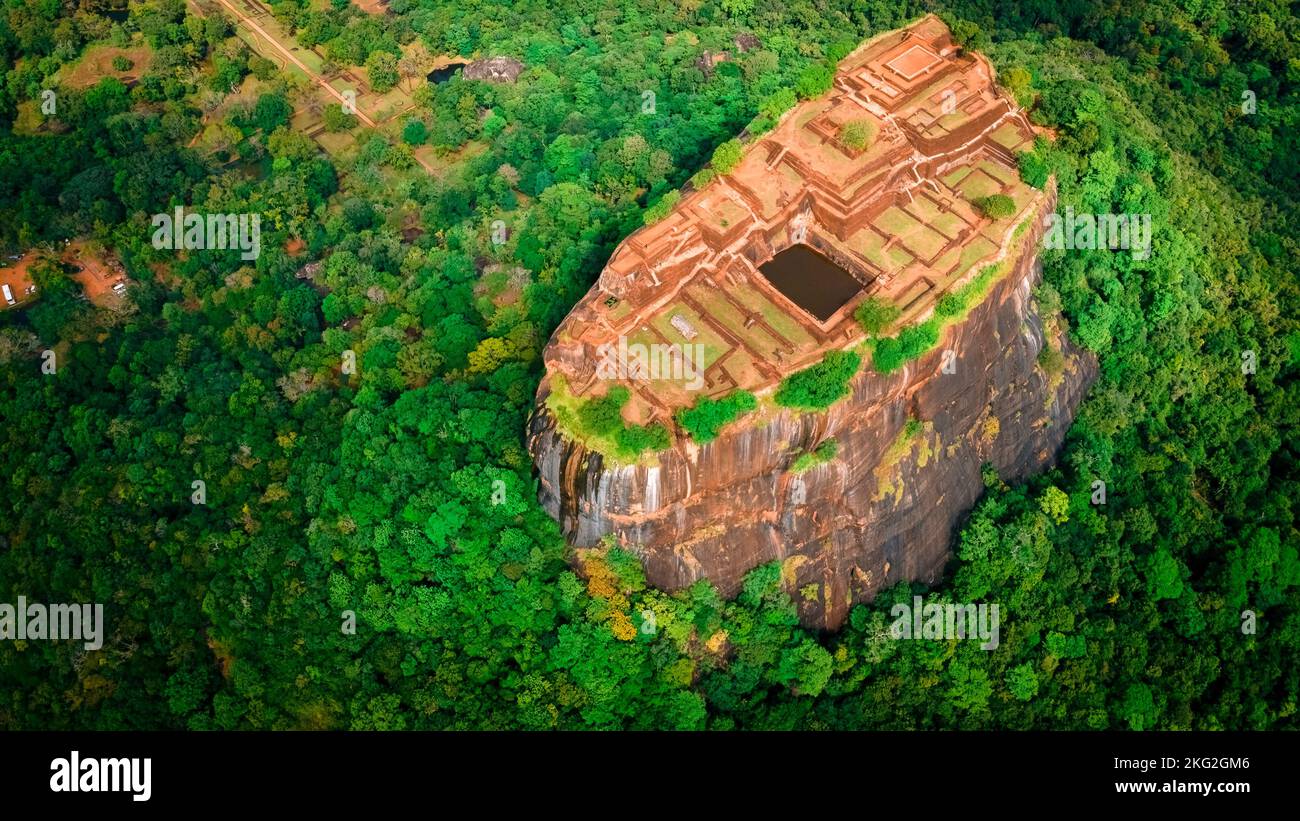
494 70
910 444
862 521
897 211
709 59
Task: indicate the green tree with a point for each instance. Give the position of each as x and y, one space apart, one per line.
336 119
727 156
415 132
995 206
875 314
381 68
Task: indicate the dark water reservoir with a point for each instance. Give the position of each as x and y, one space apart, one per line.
442 75
810 280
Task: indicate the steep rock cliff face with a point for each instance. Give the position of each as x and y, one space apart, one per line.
903 216
882 511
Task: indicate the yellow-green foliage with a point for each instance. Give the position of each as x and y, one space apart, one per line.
856 135
598 423
824 452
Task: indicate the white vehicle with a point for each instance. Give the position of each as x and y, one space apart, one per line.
9 295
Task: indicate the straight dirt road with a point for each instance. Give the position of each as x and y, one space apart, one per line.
247 22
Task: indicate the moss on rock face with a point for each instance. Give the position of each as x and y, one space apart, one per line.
824 452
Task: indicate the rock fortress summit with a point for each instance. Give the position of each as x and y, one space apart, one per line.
873 190
895 218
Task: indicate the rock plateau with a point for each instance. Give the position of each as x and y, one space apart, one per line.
898 216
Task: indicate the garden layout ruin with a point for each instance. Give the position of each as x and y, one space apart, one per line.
871 190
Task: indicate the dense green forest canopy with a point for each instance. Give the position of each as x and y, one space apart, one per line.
400 489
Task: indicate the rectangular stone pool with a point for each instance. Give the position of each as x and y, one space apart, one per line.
810 280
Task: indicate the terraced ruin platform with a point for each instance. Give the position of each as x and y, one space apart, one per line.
896 215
